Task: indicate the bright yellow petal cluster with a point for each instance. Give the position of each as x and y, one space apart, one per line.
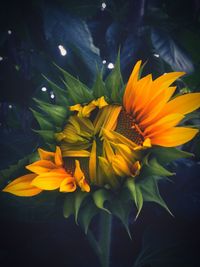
85 111
48 173
153 112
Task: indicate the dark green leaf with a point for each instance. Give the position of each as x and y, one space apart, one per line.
100 197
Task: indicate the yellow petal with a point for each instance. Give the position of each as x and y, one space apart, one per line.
182 104
76 153
80 178
174 137
68 185
131 83
86 110
50 180
163 124
41 166
22 186
92 162
107 150
120 166
46 155
119 138
58 157
76 107
100 102
152 109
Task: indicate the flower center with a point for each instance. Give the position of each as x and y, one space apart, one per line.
127 126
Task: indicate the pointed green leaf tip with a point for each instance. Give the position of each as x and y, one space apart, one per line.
61 95
150 192
100 197
72 204
135 194
166 155
77 91
42 121
99 88
114 81
153 167
56 113
86 215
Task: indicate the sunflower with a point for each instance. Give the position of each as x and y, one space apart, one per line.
103 141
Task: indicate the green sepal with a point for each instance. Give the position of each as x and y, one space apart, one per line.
42 120
121 208
56 113
114 82
79 198
99 88
150 191
166 155
61 94
135 194
86 214
78 91
100 197
72 204
68 207
47 135
153 167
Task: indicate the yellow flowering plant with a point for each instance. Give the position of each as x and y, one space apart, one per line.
106 148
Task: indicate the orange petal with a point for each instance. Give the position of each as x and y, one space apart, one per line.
131 82
92 162
58 157
22 186
50 180
68 185
163 124
46 155
41 166
174 137
182 104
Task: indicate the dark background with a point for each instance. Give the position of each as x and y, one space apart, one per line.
164 33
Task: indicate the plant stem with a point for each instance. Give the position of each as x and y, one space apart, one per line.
102 246
105 238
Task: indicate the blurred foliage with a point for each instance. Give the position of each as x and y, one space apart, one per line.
164 33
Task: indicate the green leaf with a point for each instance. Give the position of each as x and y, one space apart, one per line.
79 198
114 81
56 113
99 88
42 120
78 91
150 192
47 135
166 155
121 209
72 204
86 215
100 197
68 208
153 167
61 95
135 194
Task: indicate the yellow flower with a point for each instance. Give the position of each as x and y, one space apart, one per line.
84 137
48 173
150 114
